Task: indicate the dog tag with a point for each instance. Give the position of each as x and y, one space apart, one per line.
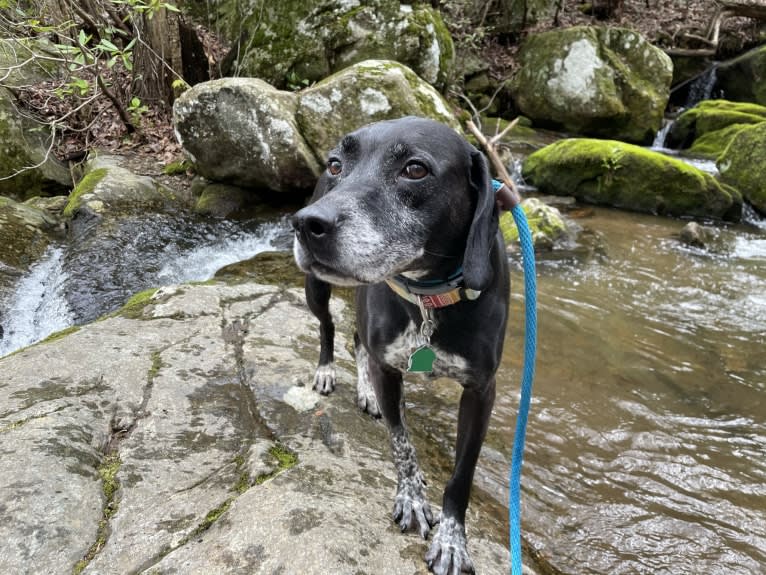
421 360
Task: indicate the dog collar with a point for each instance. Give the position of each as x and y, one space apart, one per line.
433 294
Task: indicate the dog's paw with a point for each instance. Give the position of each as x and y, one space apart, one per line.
324 379
366 400
411 510
448 554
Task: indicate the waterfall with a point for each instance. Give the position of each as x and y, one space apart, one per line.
701 88
38 307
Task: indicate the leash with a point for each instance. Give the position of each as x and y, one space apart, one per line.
528 375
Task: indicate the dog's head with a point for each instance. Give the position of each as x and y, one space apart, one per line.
407 196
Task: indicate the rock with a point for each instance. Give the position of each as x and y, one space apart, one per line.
366 92
741 164
181 436
517 15
293 44
25 233
276 268
627 176
707 238
606 82
27 168
220 200
242 131
25 61
545 223
109 190
743 79
708 127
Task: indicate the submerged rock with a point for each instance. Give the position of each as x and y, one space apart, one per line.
181 435
607 82
742 165
708 238
627 176
366 92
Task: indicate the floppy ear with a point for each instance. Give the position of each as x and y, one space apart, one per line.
477 268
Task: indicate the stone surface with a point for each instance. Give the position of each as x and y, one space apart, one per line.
370 91
257 146
293 44
744 78
181 436
626 176
606 82
545 224
742 166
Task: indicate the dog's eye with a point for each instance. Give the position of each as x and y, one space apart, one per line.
334 167
415 171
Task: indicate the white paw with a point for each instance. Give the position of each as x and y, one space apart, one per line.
448 553
324 379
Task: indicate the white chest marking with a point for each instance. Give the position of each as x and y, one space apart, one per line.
397 354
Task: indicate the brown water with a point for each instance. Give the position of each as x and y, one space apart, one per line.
646 445
647 438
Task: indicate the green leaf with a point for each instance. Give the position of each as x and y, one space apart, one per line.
107 45
128 61
82 37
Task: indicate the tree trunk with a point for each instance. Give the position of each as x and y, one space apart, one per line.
158 59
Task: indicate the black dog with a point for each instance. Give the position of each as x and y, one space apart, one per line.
406 211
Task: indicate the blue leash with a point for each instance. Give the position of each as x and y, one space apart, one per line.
528 375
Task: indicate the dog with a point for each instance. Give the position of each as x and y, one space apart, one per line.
405 211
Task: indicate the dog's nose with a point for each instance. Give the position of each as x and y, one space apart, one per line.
314 224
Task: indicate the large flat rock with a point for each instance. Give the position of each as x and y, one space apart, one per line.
182 436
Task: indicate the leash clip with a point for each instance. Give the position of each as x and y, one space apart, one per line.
428 326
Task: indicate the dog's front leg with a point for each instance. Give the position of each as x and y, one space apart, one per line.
411 510
318 298
449 552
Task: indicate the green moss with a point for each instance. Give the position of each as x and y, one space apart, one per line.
712 144
741 165
86 186
712 116
631 177
285 459
134 307
107 471
545 224
61 334
176 168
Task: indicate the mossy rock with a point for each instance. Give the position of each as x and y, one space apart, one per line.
742 165
27 169
25 233
276 268
221 200
744 78
21 63
366 92
712 116
713 144
625 176
606 82
292 44
545 224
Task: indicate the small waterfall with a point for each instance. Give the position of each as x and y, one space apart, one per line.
201 262
38 307
659 139
701 88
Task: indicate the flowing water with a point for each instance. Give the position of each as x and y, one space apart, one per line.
647 438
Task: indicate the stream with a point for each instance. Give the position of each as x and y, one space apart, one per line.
646 449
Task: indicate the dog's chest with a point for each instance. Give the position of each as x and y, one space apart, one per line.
397 354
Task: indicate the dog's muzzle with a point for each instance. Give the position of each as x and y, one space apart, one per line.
315 229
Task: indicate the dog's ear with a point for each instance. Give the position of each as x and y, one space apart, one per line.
477 267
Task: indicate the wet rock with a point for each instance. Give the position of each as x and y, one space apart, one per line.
606 82
25 233
292 44
27 168
708 238
268 267
242 131
744 78
630 177
366 92
545 223
181 435
708 128
741 165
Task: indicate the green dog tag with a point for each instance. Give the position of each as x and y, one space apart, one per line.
421 360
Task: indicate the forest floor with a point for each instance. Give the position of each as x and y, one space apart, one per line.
665 23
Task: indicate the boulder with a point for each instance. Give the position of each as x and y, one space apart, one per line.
25 233
743 79
108 190
707 238
366 92
606 82
545 223
631 177
25 61
741 164
182 435
293 44
243 131
708 127
27 166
